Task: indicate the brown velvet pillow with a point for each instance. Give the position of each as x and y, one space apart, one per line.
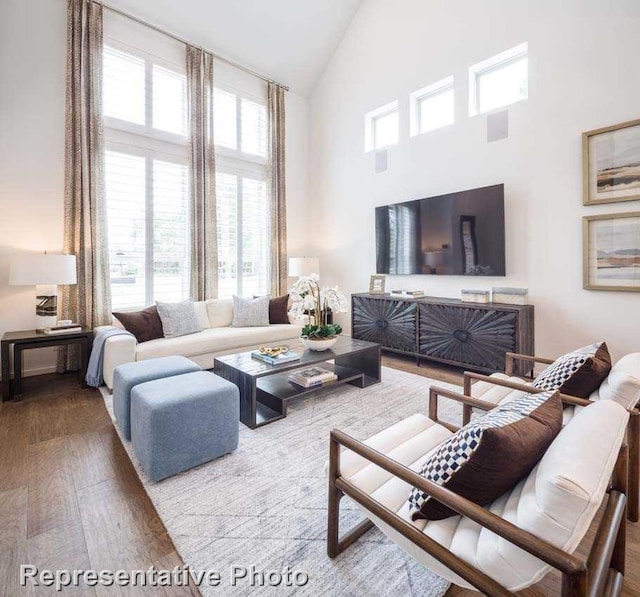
578 373
490 455
145 325
278 309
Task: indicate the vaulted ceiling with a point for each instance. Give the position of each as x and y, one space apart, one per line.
290 41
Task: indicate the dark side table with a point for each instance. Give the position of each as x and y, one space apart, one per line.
25 340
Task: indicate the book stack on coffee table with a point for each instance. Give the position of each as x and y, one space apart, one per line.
312 377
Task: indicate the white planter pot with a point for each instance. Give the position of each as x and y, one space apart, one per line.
319 345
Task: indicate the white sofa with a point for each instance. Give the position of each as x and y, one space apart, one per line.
216 338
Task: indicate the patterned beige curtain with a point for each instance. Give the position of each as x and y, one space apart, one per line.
204 241
85 235
277 180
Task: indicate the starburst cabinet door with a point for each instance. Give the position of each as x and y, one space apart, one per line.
473 336
387 322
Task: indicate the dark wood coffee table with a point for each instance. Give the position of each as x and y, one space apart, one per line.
265 389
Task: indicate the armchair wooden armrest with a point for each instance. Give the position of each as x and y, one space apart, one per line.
523 387
512 357
582 576
467 403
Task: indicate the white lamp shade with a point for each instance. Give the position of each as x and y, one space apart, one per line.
432 258
28 269
303 266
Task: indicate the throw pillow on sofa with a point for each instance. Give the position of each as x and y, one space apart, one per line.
250 312
490 455
145 325
278 309
577 373
178 319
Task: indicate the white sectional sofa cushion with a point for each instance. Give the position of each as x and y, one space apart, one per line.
216 338
212 340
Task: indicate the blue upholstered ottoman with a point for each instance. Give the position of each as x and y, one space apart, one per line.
129 375
183 421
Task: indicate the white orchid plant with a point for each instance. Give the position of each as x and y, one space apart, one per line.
310 301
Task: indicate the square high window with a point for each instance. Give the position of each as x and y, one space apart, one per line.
432 107
381 127
499 81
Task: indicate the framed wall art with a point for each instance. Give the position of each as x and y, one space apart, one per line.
611 252
611 164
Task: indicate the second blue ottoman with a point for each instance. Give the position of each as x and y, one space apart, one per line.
183 421
129 375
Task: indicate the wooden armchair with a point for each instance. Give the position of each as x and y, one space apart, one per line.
633 432
380 485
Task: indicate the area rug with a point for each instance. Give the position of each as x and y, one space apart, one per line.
264 506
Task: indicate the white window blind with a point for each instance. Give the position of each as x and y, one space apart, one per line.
125 182
243 233
124 86
146 165
224 119
240 133
253 127
170 231
169 101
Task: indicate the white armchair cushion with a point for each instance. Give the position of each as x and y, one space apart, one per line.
483 390
623 382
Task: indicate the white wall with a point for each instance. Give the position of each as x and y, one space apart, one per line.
32 104
582 75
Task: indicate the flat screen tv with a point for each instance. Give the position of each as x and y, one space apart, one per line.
459 234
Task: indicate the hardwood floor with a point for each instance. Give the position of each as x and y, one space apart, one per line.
70 498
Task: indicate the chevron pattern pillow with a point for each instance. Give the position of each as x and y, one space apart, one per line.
490 455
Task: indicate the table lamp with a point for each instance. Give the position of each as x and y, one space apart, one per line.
432 259
45 272
303 266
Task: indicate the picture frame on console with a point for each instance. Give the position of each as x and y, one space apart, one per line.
611 252
611 164
377 284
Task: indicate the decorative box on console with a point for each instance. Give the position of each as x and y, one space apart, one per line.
476 296
511 296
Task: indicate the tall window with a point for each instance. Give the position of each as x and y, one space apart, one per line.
381 127
432 107
499 81
240 133
146 168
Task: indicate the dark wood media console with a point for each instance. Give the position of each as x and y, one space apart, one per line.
470 335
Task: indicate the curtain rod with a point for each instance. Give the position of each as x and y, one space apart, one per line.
184 41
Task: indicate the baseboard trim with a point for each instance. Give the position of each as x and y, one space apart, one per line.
37 371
